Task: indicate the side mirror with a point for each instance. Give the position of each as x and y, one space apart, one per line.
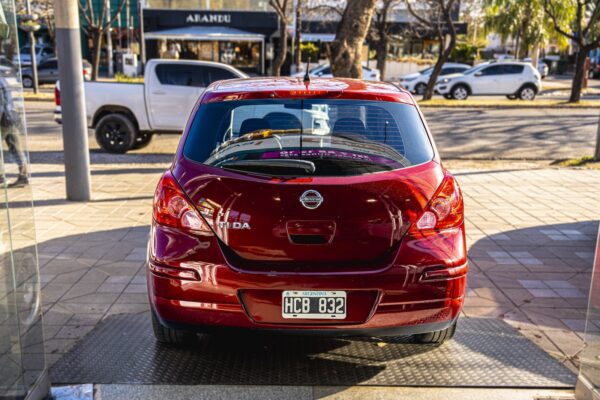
320 74
478 73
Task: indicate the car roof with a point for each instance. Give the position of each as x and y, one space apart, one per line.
295 87
452 64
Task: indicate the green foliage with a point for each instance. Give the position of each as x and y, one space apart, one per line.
525 20
464 53
309 49
121 78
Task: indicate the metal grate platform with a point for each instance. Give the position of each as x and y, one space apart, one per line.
484 353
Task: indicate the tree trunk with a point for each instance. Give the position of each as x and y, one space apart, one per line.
444 53
345 50
298 37
578 76
535 55
597 151
382 49
97 41
282 48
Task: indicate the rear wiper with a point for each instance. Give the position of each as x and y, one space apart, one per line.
305 165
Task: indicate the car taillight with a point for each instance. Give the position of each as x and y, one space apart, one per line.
56 96
445 210
172 208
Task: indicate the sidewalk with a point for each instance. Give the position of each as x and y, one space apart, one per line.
530 238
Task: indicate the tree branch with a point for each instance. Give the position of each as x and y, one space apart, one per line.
114 16
557 28
84 12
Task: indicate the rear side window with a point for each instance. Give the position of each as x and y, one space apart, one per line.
180 75
493 70
316 137
512 69
213 74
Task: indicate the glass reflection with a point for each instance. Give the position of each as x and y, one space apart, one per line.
590 356
22 361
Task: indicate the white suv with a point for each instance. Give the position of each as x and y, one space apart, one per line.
417 82
512 79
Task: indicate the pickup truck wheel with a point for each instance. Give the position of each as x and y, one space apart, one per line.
142 140
115 133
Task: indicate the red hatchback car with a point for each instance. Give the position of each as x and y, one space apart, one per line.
307 207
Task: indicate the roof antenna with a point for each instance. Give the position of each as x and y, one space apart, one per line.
306 74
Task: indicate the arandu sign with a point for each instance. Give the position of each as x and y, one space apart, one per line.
208 18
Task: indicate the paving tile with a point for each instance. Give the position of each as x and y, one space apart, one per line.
93 254
533 284
543 293
570 293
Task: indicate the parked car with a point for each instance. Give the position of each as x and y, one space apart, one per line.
48 72
417 81
42 53
126 115
512 79
542 67
324 71
263 222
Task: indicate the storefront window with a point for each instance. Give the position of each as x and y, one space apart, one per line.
243 55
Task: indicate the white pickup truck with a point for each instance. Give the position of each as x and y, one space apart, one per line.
126 115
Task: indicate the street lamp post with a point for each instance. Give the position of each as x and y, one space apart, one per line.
74 121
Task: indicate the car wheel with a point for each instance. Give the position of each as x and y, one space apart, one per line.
460 92
437 337
142 140
115 133
420 88
167 335
527 93
511 96
27 81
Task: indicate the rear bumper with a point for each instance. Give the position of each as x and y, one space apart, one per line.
379 304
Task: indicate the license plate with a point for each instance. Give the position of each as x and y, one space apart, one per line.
313 304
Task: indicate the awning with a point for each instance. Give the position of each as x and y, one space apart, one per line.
206 33
317 37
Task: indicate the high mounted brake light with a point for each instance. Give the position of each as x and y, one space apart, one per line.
172 208
445 210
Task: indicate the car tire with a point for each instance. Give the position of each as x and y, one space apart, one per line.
115 133
166 335
27 81
142 140
436 337
527 92
420 88
511 96
460 92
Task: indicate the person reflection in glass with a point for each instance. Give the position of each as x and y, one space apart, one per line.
10 127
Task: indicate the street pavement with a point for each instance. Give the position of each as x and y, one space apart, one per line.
530 231
547 134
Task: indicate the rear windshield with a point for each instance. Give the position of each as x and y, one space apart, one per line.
317 137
